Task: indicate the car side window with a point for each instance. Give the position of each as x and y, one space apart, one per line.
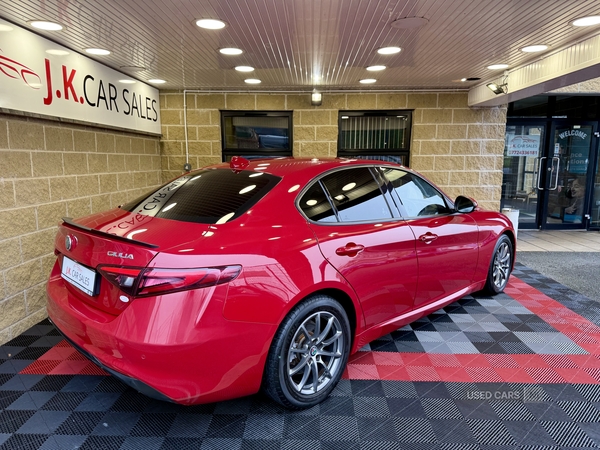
418 197
356 195
315 204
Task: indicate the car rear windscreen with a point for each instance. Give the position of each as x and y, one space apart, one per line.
206 196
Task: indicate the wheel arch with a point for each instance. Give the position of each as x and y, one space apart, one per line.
343 299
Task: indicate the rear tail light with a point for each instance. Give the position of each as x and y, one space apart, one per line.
140 282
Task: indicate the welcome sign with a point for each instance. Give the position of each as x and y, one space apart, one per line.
41 77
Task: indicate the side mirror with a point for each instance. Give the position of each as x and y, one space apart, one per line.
464 204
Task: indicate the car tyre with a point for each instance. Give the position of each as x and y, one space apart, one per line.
308 354
500 266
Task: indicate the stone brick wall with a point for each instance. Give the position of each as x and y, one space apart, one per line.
458 147
50 170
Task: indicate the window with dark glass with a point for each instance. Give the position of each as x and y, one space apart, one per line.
354 193
256 133
380 135
316 205
418 197
205 196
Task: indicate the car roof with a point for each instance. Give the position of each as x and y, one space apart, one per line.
303 168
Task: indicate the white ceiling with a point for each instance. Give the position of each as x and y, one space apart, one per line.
288 41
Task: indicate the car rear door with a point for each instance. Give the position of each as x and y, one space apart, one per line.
360 233
446 242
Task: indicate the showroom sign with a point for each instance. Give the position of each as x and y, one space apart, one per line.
522 145
41 77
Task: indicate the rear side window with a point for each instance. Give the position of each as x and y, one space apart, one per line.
316 205
355 195
207 196
418 197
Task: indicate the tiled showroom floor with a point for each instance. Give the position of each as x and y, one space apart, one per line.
520 370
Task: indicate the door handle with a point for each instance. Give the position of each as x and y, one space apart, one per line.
557 171
539 177
428 237
350 249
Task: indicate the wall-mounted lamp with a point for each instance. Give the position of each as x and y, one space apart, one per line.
498 88
316 98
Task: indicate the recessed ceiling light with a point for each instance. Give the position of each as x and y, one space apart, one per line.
534 48
409 22
210 24
57 52
127 82
497 66
586 21
44 25
97 51
463 79
389 50
231 51
252 81
133 68
368 81
375 68
244 69
156 81
5 28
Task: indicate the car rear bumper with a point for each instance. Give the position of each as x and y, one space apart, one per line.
177 347
138 385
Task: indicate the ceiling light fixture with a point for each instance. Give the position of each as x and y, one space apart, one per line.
97 51
210 24
252 81
133 68
244 68
45 25
368 81
406 23
316 98
586 21
57 52
156 81
497 66
376 68
231 51
534 48
389 50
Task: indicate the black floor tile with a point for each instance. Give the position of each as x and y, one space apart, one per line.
99 412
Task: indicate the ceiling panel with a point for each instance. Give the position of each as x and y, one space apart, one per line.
301 44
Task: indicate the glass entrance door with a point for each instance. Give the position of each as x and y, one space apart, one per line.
568 167
548 173
523 153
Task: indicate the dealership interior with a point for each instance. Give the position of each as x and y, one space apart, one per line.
497 100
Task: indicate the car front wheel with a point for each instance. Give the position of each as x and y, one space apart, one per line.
500 266
308 354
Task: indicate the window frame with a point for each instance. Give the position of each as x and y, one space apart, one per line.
228 152
403 152
377 178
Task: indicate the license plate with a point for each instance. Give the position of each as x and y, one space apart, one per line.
79 276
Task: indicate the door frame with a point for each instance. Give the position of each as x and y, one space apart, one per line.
589 176
547 152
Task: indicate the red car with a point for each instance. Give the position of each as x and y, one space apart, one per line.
267 274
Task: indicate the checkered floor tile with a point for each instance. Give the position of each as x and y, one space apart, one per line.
519 370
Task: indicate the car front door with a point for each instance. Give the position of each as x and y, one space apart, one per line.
446 241
361 234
